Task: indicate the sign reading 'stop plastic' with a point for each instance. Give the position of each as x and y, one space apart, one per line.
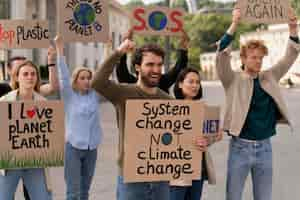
24 34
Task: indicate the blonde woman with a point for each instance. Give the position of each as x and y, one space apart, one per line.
83 129
26 85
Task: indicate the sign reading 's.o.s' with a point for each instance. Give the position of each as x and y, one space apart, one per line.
157 20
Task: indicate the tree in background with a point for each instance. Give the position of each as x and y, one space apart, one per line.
296 6
204 31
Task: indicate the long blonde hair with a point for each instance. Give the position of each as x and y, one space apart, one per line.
15 83
75 75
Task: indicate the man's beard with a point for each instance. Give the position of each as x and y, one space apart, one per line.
147 82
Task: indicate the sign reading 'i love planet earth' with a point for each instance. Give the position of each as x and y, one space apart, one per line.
157 20
83 20
159 140
32 135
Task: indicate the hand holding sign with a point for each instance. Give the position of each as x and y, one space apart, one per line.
201 143
51 55
236 18
236 15
184 43
128 35
59 45
126 46
293 25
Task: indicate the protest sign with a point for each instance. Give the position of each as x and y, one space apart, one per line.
211 122
157 21
160 140
264 11
18 34
32 134
83 21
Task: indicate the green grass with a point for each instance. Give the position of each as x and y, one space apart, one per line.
9 161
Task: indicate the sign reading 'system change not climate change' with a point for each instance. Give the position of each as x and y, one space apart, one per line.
15 34
32 135
159 140
83 20
157 20
264 11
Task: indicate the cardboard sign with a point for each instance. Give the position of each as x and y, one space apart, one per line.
17 34
211 123
159 140
32 134
157 20
83 20
264 11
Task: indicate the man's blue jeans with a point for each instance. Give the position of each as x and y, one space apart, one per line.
79 171
254 157
33 179
142 191
193 192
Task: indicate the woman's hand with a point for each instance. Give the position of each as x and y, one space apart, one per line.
59 45
201 143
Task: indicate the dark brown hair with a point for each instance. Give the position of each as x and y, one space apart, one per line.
178 91
139 53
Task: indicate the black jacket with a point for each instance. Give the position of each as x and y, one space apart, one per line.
4 88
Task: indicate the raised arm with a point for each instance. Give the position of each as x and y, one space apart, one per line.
52 86
65 87
169 78
223 64
123 74
292 50
101 82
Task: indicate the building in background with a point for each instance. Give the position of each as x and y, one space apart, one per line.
208 64
275 38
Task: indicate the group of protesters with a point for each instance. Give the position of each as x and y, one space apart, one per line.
254 105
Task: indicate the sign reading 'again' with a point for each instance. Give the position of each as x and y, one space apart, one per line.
264 11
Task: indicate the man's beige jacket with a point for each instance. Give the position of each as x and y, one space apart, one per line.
239 87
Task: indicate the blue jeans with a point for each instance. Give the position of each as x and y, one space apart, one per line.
79 171
33 179
253 157
142 191
192 192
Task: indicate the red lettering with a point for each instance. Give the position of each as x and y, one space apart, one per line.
178 22
7 35
137 15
